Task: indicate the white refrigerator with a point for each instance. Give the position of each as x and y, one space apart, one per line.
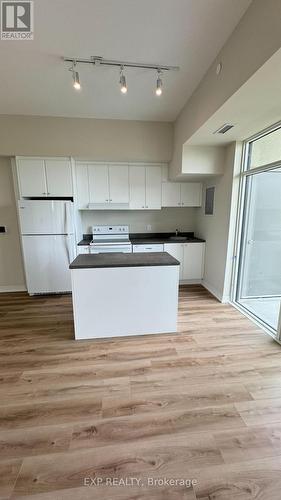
48 243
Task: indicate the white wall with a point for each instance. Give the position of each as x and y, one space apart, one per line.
255 39
165 220
203 160
215 229
11 269
108 140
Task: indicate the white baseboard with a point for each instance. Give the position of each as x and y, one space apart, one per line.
190 282
212 290
12 288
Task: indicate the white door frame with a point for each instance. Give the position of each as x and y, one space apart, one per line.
239 240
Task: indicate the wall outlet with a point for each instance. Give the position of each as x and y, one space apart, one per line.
149 227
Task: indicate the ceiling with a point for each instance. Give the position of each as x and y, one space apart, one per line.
187 33
255 106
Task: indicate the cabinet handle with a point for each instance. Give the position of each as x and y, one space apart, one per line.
182 204
110 199
106 200
143 206
178 203
146 206
44 193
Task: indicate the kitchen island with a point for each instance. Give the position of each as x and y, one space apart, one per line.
119 294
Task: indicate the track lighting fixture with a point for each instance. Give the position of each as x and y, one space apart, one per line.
123 84
100 61
75 76
159 83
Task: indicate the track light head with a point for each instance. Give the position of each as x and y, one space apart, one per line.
75 76
159 83
123 84
76 81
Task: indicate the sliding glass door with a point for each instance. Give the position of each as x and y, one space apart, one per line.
258 287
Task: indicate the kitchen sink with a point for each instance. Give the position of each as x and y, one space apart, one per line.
178 238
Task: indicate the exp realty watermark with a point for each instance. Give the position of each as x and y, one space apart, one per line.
17 20
152 482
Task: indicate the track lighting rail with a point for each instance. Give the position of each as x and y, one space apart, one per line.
97 60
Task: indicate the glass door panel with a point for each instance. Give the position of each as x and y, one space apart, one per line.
259 278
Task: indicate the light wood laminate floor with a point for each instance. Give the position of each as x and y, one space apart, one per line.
203 404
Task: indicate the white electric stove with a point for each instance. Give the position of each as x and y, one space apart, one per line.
110 239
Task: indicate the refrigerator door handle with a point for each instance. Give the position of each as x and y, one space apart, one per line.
68 218
68 249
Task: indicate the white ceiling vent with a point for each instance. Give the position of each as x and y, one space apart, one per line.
224 128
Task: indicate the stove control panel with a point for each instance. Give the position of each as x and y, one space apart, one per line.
110 230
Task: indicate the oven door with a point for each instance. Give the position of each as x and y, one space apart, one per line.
127 248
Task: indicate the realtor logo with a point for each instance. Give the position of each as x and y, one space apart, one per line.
16 20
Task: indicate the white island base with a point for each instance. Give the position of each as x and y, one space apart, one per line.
120 301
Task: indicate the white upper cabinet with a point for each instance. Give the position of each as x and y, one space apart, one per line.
118 184
171 194
181 194
153 178
191 194
101 186
59 178
82 185
44 177
137 187
193 264
31 177
145 187
98 184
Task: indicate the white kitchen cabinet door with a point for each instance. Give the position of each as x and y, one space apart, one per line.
59 178
193 264
171 194
82 186
98 184
191 194
176 250
137 187
153 191
118 184
32 179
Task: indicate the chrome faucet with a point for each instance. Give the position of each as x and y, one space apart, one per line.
177 232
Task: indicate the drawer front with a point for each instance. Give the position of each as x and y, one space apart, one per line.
148 248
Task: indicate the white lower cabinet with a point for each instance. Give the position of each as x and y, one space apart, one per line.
193 261
154 247
176 250
191 258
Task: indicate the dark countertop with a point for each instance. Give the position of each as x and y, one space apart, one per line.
151 238
85 261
